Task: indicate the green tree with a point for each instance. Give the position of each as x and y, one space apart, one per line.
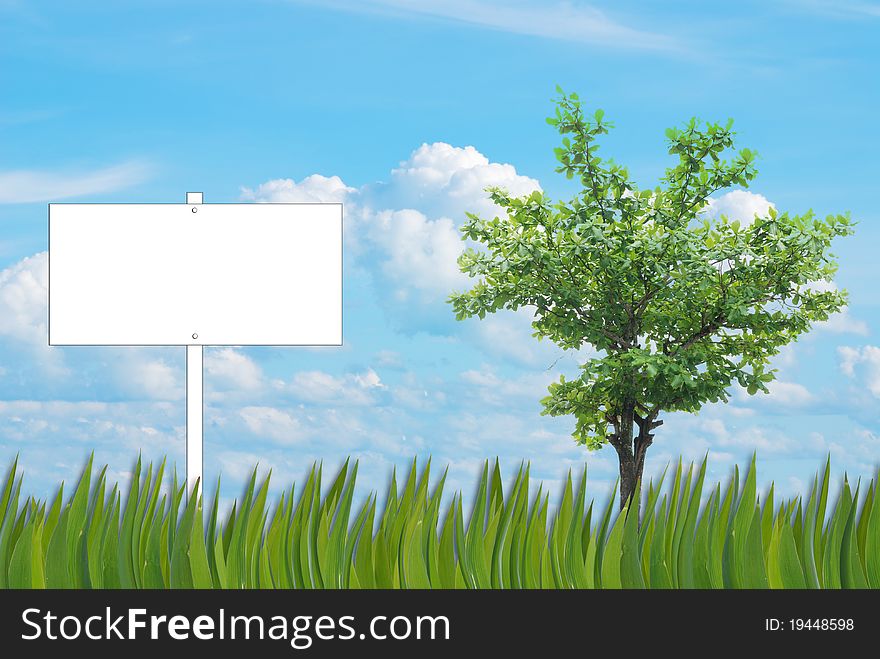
676 306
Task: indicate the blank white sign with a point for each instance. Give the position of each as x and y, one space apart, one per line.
195 274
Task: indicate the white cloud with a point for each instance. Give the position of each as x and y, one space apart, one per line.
782 394
314 188
508 336
739 205
153 378
239 465
389 359
866 356
369 380
323 388
418 398
821 286
864 433
317 386
751 438
559 20
841 322
844 323
432 166
272 423
24 294
849 357
29 186
788 393
421 255
439 180
794 442
491 389
23 299
227 368
412 223
786 357
442 180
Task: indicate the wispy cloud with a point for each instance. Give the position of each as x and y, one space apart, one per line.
839 9
31 186
569 21
21 117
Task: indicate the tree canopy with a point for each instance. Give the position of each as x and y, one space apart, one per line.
677 305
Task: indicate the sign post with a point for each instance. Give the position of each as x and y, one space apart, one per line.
195 409
195 275
194 414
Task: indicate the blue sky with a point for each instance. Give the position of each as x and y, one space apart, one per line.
405 112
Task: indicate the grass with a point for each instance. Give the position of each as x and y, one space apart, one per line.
691 535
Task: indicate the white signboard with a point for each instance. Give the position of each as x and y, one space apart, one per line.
195 274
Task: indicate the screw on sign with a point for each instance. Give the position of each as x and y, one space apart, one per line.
243 274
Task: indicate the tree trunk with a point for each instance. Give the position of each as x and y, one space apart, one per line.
631 453
628 475
625 455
